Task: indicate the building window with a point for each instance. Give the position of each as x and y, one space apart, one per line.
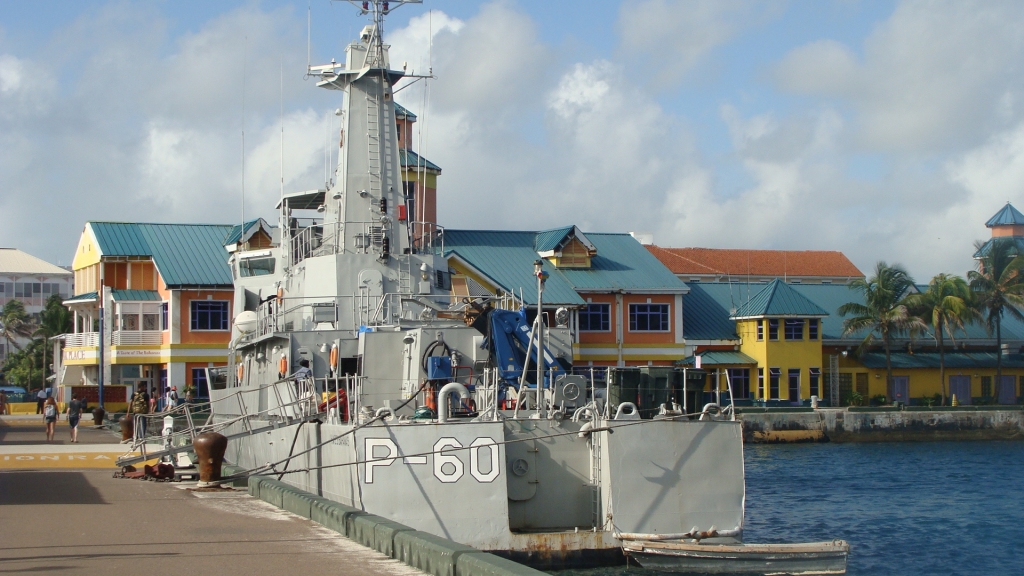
199 381
163 317
794 384
773 329
739 379
760 330
596 318
774 375
210 315
815 381
812 329
986 386
648 318
760 383
794 329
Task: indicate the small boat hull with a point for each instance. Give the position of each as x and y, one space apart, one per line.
810 558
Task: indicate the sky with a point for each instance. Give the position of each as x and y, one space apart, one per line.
888 130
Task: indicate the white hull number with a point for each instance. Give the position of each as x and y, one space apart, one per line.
449 458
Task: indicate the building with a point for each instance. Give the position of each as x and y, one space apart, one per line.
1007 223
624 308
31 281
159 297
741 265
419 178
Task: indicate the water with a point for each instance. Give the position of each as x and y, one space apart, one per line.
910 509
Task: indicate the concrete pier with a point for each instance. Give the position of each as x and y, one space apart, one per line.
62 511
882 424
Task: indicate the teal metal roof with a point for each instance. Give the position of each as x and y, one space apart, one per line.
235 234
954 360
135 295
719 358
779 299
507 257
184 254
706 313
1007 216
408 158
403 112
550 239
1018 244
87 297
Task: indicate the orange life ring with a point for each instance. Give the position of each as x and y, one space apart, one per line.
241 372
280 296
334 357
282 365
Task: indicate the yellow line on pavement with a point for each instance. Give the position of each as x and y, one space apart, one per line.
35 460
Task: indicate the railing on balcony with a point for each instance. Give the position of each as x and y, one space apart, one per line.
82 340
136 337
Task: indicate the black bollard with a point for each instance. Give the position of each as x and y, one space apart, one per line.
97 416
210 448
127 423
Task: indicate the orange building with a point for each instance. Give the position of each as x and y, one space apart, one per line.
152 308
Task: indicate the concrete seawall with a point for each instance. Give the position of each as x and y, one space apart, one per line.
882 424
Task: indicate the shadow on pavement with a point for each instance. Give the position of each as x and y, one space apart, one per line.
21 488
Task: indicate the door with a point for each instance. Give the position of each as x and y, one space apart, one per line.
901 389
794 385
960 386
1006 390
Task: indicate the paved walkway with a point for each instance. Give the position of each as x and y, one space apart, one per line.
87 522
23 444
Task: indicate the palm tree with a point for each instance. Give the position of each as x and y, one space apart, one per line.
54 320
998 288
946 306
14 323
884 311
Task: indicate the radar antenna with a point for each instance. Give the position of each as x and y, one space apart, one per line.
378 9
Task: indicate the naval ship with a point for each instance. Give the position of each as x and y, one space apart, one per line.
458 418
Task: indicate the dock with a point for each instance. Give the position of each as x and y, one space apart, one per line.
62 511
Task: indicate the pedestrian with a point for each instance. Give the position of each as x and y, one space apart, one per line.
188 394
50 416
303 371
172 399
151 401
139 405
40 400
74 414
3 403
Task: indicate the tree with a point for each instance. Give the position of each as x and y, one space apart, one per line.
15 323
54 320
946 306
884 311
998 289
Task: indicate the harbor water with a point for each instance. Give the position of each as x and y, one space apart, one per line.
909 509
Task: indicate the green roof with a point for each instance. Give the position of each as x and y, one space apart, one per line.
135 295
87 297
403 112
706 313
553 240
506 257
953 360
719 358
779 299
184 254
408 158
1018 245
1007 216
236 234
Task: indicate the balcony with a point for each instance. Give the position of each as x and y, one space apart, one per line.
136 337
82 340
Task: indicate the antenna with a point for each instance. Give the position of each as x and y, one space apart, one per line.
282 126
309 33
245 63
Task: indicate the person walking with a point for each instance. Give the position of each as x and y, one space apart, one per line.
74 414
171 401
3 403
40 400
139 404
50 416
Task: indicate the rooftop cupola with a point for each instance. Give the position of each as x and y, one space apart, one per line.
1007 222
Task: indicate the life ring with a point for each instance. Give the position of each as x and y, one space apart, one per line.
280 296
241 372
282 365
334 357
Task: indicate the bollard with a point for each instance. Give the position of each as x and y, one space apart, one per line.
127 423
97 416
210 448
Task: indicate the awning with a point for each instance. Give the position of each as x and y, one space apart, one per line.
71 375
308 200
87 297
135 295
720 358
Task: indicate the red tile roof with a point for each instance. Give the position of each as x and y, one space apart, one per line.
765 263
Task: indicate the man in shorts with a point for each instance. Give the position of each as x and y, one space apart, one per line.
74 414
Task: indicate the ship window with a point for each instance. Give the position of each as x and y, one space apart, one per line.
209 315
648 318
595 318
255 267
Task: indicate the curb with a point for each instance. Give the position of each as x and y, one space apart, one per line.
423 551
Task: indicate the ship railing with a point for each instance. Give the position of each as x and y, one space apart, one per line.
284 402
340 397
315 240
